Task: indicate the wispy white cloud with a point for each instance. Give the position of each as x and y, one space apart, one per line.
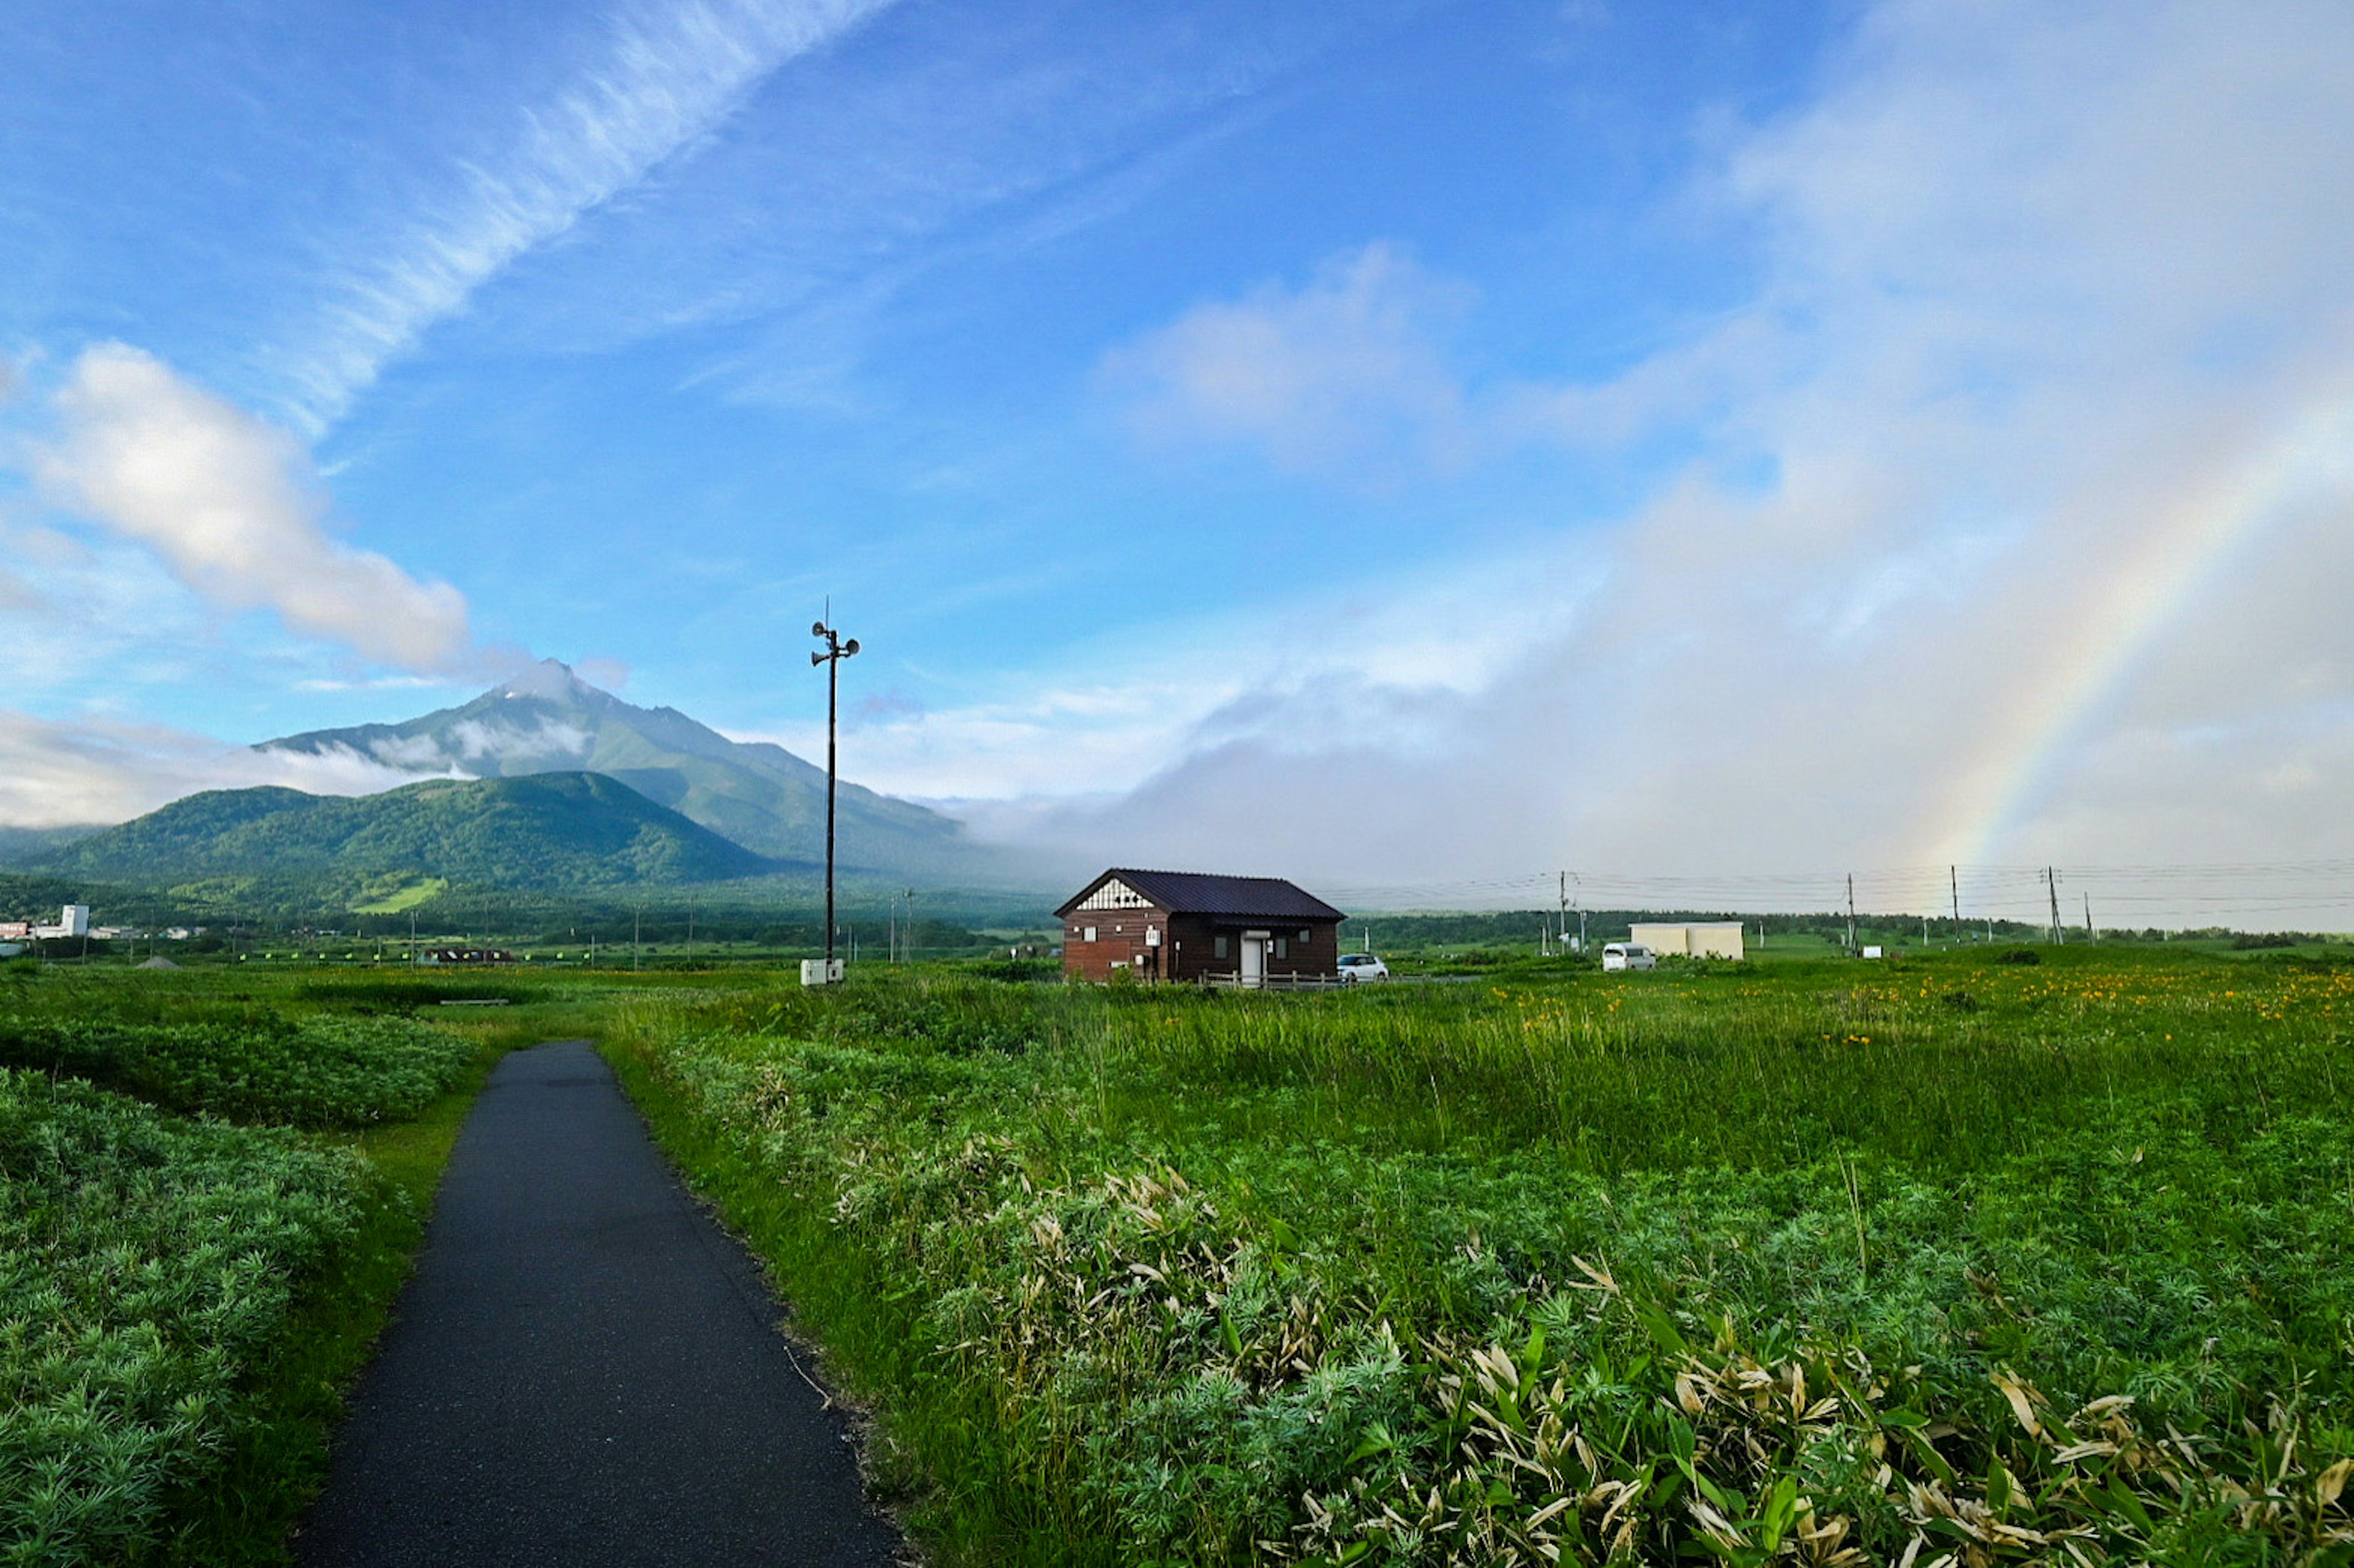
234 509
60 774
669 74
1342 377
369 683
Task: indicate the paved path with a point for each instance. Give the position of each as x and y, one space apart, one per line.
584 1370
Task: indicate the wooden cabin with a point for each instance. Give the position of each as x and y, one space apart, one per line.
1184 925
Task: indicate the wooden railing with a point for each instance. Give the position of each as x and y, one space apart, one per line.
1233 978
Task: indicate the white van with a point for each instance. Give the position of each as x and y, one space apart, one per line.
1628 955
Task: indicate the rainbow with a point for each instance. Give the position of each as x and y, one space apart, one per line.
2191 545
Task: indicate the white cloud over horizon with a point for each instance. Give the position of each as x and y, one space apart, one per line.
2051 371
93 772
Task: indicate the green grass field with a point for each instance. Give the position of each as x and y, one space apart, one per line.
1808 1260
1938 1258
404 894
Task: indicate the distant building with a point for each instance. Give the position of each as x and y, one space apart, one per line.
72 921
1700 939
465 956
1183 926
19 930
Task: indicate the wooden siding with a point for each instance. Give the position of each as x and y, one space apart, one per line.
1120 943
1188 949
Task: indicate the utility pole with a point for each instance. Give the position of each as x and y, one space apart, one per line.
2089 934
1954 881
2052 885
1851 912
1564 909
836 651
636 916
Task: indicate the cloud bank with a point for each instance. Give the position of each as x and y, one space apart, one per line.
2016 530
56 774
234 507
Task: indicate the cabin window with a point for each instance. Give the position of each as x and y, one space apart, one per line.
1283 947
1305 935
1218 947
1090 935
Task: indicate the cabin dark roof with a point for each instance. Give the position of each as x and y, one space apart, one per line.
1194 892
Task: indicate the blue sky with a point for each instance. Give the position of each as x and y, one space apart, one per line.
1492 422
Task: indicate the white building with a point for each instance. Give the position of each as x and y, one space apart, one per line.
1700 939
72 921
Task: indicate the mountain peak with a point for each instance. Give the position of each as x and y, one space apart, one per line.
543 718
551 679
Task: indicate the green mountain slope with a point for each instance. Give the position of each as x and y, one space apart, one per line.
546 719
29 846
550 832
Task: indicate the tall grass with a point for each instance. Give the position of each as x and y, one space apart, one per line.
1819 1263
144 1262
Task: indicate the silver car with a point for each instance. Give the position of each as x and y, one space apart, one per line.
1628 955
1355 967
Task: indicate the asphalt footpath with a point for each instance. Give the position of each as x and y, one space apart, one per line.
584 1370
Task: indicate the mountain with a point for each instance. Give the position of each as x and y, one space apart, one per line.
546 719
28 846
575 832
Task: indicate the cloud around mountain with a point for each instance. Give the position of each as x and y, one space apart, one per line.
94 771
543 718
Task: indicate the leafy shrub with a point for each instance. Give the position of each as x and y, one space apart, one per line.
146 1262
1740 1268
320 1072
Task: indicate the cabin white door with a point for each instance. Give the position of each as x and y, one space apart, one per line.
1253 957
